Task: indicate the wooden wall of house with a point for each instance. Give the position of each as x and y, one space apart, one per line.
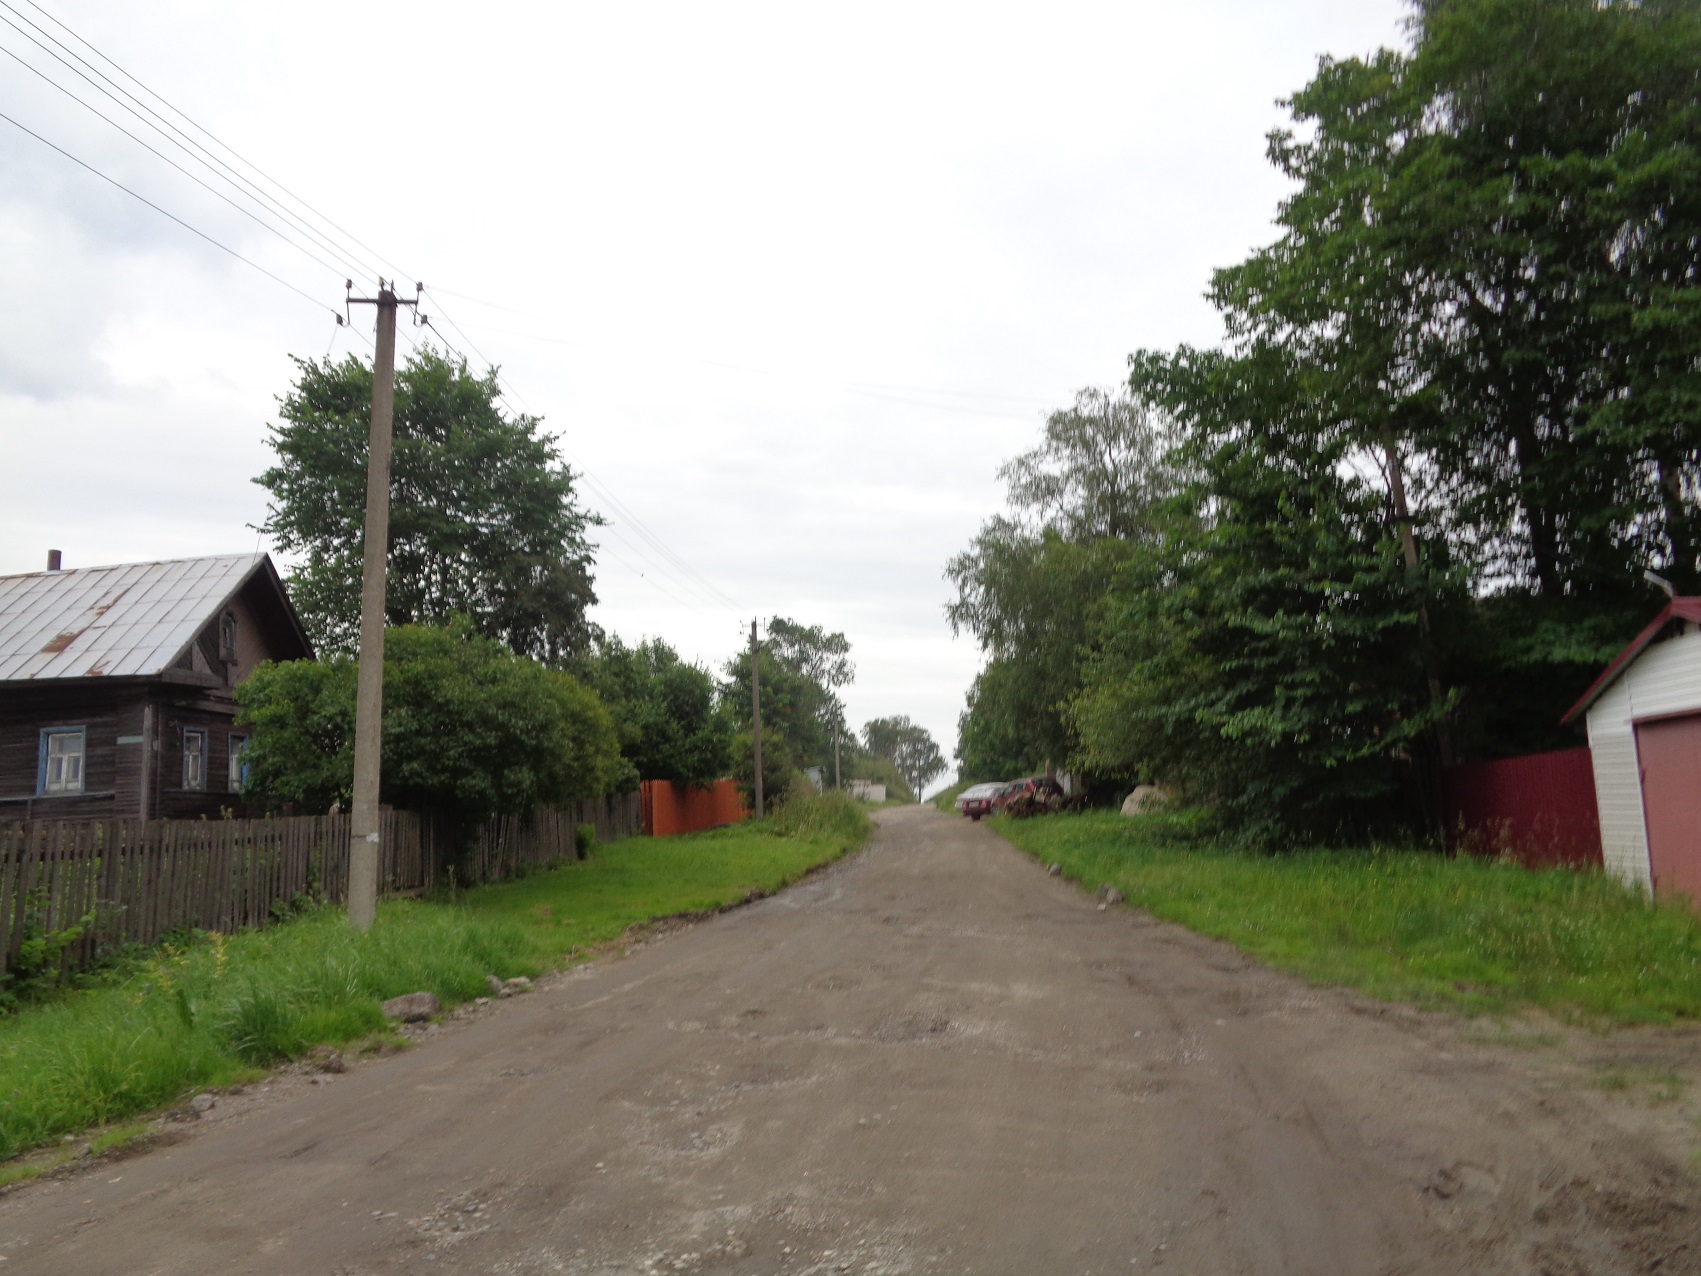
113 772
174 714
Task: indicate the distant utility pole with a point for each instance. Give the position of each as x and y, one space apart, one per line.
364 851
756 712
836 783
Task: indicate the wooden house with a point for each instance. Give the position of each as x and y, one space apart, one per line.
1644 715
117 684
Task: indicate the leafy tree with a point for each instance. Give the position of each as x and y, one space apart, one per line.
907 746
1261 655
470 729
811 652
484 517
665 712
1486 280
1029 586
802 668
996 739
1101 465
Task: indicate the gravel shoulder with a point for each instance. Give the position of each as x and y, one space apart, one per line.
929 1058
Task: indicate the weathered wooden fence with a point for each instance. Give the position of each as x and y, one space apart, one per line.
511 842
131 882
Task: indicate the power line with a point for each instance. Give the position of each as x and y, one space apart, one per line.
204 132
670 563
88 106
224 248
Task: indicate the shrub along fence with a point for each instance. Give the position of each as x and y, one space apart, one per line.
70 889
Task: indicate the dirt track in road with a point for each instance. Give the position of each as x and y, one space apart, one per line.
930 1058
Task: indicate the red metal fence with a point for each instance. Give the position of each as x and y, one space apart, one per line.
1538 809
679 808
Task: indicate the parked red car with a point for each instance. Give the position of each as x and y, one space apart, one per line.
1042 787
976 800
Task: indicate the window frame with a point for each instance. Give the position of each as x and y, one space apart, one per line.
43 758
236 770
199 784
227 637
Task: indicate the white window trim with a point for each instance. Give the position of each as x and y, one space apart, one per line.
195 783
46 786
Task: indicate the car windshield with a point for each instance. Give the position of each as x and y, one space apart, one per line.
980 790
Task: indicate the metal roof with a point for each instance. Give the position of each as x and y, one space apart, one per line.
131 620
1677 609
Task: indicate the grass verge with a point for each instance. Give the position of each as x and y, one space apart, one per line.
212 1010
1462 934
569 910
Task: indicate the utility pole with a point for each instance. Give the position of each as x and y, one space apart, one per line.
756 712
365 823
836 783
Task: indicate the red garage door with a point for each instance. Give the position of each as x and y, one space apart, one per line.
1669 751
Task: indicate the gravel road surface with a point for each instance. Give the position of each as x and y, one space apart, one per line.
930 1058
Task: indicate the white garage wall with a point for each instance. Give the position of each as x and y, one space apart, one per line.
1664 679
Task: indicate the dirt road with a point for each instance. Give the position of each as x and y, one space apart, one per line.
931 1058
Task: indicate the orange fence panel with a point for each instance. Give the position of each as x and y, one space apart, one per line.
671 808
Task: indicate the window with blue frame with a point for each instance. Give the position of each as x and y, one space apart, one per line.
238 766
194 758
60 770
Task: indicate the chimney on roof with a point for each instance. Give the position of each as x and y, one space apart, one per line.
52 560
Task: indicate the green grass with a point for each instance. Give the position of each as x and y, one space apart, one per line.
575 907
1463 934
214 1010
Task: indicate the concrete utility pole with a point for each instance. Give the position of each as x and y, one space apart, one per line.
836 783
365 823
756 711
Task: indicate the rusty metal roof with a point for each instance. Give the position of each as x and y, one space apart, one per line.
134 619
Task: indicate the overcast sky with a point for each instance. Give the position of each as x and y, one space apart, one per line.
789 281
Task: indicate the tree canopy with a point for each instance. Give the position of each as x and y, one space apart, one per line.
1401 516
484 516
803 668
907 746
670 724
1029 586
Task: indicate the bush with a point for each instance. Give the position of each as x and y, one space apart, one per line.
470 729
584 839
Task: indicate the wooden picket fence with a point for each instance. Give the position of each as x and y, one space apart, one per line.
509 842
124 881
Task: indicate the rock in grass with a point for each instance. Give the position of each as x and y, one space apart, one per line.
1056 870
495 986
413 1007
519 983
1144 799
1113 896
202 1104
